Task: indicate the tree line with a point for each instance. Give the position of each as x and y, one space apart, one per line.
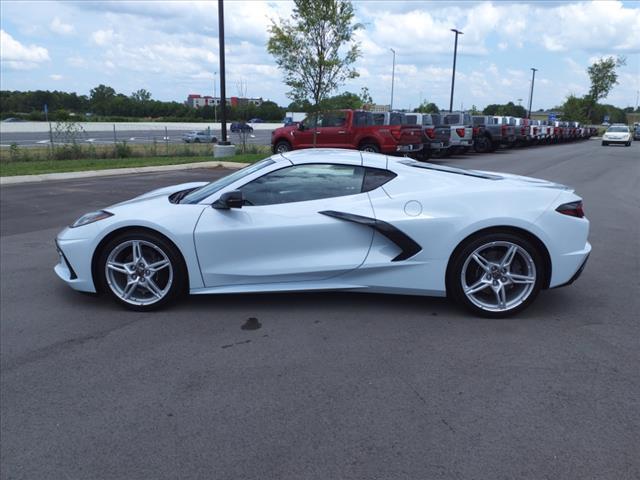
104 103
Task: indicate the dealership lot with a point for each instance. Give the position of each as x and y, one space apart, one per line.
330 385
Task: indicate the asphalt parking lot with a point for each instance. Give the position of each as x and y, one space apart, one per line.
332 385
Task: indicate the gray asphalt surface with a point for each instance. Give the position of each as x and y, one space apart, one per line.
332 385
39 139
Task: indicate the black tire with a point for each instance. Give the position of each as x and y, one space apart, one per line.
179 283
197 140
369 147
282 146
628 144
482 144
604 144
461 256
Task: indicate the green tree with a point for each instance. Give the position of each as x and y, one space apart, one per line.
101 98
315 48
474 110
575 109
141 95
603 78
344 100
365 96
427 107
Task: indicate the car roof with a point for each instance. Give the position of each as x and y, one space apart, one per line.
336 155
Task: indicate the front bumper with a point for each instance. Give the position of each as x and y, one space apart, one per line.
74 262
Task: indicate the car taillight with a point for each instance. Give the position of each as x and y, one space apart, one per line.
476 131
430 132
504 129
573 209
535 130
523 130
460 132
396 132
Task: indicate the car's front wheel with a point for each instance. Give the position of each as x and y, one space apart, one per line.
496 274
142 270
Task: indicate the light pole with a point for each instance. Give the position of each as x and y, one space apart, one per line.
223 92
519 102
215 104
453 75
393 77
533 79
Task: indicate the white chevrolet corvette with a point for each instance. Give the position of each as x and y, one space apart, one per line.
325 219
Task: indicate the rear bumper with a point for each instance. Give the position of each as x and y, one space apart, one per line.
577 274
416 147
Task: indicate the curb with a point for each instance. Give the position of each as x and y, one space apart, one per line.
48 177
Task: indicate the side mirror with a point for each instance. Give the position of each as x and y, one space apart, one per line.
227 200
301 126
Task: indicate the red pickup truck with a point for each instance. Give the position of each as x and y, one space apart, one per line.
353 129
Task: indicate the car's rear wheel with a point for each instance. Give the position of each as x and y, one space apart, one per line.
197 140
604 144
369 147
141 270
282 147
496 274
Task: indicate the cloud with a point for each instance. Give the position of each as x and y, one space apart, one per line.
57 26
103 37
17 56
56 77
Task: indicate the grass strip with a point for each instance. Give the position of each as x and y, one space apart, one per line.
34 167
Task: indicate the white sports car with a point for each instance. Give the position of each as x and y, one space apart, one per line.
325 219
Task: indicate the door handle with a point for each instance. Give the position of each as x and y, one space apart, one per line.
342 131
318 133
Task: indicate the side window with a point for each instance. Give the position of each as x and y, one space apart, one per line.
301 183
376 177
411 119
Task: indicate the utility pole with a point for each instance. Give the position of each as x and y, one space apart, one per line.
453 75
533 79
393 77
215 103
223 93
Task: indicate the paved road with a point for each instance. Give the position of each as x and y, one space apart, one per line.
332 385
39 139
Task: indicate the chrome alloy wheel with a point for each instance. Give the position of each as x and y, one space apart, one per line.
139 272
498 276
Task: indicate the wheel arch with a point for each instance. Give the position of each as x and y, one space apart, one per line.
369 139
534 239
119 231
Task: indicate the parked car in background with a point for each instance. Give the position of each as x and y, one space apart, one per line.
617 134
237 127
461 139
203 136
256 120
489 134
435 135
354 129
636 132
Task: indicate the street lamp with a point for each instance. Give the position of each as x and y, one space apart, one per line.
453 75
223 92
215 104
393 76
533 79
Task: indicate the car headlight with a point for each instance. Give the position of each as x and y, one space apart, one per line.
91 217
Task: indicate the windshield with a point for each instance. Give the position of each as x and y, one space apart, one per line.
618 129
203 192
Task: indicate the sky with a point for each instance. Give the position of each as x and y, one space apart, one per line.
170 48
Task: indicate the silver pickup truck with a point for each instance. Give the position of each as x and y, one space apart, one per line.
489 134
461 139
435 136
